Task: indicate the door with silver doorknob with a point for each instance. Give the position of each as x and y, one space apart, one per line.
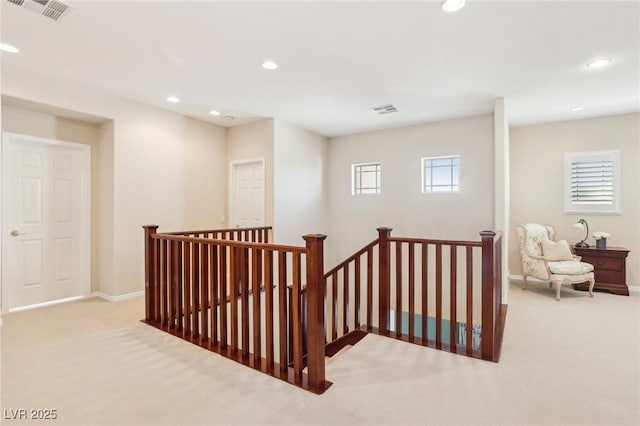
46 209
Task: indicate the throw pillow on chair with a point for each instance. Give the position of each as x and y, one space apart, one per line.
556 250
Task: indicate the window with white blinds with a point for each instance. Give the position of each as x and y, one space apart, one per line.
592 182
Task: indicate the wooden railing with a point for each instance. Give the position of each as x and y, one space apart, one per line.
213 292
339 312
272 308
260 234
415 278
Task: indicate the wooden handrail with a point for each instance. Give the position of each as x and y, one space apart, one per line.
229 243
351 258
432 241
208 291
210 231
448 290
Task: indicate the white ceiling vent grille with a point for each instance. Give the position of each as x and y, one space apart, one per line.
384 109
55 10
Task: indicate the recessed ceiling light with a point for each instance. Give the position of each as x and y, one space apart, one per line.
229 117
269 65
9 48
452 5
214 112
599 63
173 99
576 109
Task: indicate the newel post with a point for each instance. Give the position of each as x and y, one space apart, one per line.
150 282
315 312
384 278
488 288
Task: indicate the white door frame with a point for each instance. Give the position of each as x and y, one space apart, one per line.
85 202
233 165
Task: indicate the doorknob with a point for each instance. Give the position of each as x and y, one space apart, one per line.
15 233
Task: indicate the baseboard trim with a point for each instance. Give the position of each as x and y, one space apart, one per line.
42 305
118 298
633 288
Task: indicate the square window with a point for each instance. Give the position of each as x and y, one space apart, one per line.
365 178
592 182
441 174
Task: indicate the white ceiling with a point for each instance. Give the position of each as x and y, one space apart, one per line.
339 59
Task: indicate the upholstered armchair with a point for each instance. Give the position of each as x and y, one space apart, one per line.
545 259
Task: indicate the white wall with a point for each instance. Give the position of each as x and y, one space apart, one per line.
105 196
401 204
300 183
165 170
250 141
502 182
537 167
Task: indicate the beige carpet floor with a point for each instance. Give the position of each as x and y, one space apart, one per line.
573 362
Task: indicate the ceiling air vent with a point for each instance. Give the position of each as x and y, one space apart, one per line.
52 9
384 109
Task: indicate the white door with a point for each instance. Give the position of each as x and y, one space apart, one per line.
247 194
46 220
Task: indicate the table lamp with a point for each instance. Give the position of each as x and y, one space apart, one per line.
581 226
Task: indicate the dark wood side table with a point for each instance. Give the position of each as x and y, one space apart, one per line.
609 267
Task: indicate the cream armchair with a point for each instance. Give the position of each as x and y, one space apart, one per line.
558 269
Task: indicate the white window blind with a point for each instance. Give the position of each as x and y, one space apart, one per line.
592 182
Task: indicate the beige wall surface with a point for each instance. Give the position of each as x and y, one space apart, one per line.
401 205
1 228
33 123
166 168
251 141
537 167
300 183
105 266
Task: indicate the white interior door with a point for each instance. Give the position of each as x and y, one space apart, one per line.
46 220
247 194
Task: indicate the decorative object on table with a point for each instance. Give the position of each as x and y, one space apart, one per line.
582 226
601 239
551 261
